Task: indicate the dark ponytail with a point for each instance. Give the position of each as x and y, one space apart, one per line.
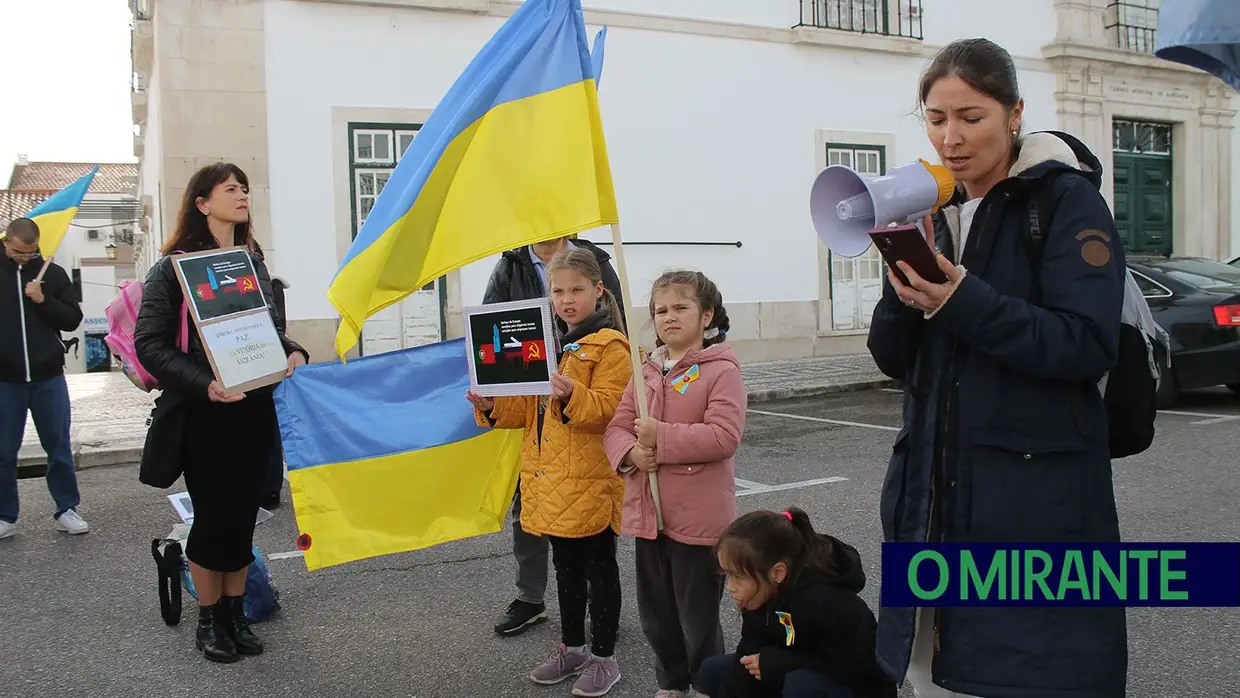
759 540
817 549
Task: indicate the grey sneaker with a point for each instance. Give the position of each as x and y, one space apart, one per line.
72 523
560 665
597 678
7 529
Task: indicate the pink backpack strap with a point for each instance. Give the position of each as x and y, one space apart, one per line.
133 312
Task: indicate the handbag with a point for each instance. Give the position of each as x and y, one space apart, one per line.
160 466
165 440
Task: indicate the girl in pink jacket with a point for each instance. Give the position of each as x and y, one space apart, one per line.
697 402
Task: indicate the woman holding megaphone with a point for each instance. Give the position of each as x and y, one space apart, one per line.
1005 434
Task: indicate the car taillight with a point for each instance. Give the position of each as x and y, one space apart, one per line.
1227 315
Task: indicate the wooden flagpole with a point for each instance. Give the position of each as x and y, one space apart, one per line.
639 381
46 263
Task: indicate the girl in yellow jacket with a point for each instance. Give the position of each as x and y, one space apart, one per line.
569 491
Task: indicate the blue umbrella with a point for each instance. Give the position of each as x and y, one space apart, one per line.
1204 34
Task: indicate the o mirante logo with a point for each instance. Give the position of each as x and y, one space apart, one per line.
1067 574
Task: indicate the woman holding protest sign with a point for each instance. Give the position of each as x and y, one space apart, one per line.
225 440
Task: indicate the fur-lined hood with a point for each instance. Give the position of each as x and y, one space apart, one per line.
1039 154
1045 150
1042 152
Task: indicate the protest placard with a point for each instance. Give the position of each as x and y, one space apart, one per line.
511 348
232 318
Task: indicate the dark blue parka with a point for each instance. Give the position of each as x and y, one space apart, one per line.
1005 434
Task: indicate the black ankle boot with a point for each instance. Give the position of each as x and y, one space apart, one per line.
212 637
239 626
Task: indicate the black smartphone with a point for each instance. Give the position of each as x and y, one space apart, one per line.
906 244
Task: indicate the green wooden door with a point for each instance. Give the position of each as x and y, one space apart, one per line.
1143 202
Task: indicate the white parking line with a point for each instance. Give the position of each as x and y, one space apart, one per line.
759 488
1210 418
286 556
824 420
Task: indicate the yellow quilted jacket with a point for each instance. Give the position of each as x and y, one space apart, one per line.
568 487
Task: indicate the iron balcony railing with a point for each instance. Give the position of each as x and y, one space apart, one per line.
1133 24
884 17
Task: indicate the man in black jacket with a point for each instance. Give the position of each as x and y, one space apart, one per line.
521 274
33 313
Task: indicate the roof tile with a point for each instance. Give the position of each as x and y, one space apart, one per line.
15 204
113 178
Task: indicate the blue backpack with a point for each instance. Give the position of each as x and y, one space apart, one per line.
262 599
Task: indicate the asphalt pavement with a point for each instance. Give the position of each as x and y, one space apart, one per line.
79 616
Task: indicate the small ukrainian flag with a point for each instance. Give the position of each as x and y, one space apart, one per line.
790 633
54 215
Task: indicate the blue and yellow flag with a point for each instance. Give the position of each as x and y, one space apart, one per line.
55 214
513 154
384 455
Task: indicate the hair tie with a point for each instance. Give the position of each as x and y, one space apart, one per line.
788 515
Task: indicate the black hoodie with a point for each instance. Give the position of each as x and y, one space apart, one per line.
832 632
514 277
31 348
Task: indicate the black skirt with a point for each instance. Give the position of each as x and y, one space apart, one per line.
227 451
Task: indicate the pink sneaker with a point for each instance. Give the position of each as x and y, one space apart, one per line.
560 665
597 678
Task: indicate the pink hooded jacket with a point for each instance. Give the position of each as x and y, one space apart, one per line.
701 405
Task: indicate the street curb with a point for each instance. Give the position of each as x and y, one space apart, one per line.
760 396
33 463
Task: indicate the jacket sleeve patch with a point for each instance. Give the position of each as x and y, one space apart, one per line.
1094 248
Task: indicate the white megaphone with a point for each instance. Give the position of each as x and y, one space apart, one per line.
846 206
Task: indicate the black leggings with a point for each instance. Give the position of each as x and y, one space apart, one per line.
578 561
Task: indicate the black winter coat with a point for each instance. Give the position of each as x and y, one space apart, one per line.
1005 433
515 278
277 290
832 633
159 323
30 345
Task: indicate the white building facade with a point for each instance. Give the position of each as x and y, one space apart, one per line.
718 115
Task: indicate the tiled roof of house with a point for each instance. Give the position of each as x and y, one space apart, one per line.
113 178
15 204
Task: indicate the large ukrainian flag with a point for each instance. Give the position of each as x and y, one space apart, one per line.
57 212
513 154
384 455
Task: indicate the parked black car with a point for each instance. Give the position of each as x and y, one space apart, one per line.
1197 301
